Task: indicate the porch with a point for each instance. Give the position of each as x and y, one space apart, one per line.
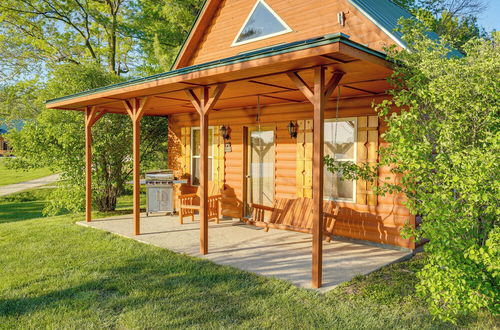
299 83
282 254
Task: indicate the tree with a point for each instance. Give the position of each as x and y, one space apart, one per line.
52 48
36 33
455 20
162 28
444 145
56 139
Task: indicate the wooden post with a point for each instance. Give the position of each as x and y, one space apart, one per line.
318 154
204 106
245 173
318 97
136 109
91 117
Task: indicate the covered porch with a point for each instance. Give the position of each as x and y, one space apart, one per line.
281 254
304 77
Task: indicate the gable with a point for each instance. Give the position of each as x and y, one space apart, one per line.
224 20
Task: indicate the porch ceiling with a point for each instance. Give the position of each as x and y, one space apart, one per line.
254 75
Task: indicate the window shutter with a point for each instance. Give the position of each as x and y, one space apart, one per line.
304 158
218 158
367 146
186 151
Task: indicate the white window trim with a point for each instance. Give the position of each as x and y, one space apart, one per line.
198 157
287 27
355 120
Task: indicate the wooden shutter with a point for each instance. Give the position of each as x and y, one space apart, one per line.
367 146
218 158
304 158
186 151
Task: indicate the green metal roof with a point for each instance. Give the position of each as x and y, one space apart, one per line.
386 14
248 56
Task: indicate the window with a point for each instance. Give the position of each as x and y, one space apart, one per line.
262 23
340 142
5 146
195 155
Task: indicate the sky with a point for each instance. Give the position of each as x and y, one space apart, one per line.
490 18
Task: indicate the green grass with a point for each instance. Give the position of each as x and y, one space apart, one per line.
56 274
29 204
8 176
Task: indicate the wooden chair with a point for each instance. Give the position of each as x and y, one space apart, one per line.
294 215
190 204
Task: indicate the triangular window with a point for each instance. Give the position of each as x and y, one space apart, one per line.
262 23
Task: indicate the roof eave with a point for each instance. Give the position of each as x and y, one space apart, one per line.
64 102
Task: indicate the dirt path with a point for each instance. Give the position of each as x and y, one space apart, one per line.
17 187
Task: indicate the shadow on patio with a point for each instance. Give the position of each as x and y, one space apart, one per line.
281 254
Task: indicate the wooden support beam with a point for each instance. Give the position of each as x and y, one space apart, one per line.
92 115
301 85
318 97
203 105
136 108
332 84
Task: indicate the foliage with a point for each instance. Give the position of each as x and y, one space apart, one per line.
52 48
8 176
18 100
444 148
124 36
454 20
163 26
37 33
56 139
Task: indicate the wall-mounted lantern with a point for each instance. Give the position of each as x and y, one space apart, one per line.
225 132
293 129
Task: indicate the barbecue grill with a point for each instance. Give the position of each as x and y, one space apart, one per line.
160 192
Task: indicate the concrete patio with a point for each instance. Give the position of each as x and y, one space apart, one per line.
281 254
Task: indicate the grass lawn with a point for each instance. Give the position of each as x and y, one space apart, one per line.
8 176
56 274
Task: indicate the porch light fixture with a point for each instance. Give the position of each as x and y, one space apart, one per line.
225 132
293 129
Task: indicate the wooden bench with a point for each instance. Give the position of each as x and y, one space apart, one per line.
190 204
294 215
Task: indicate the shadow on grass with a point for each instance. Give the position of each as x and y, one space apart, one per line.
188 292
20 211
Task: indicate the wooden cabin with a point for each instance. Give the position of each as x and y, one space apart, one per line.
260 92
5 149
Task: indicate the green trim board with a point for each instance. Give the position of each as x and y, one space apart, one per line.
248 56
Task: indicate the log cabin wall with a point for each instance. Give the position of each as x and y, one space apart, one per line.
373 218
307 19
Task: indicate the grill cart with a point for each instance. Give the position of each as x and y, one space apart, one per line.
160 192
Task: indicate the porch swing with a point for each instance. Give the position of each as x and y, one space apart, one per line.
293 214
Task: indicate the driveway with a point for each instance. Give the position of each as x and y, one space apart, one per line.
17 187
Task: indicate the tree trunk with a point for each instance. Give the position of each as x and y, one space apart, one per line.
107 201
113 11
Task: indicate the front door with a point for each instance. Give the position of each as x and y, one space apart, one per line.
260 165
